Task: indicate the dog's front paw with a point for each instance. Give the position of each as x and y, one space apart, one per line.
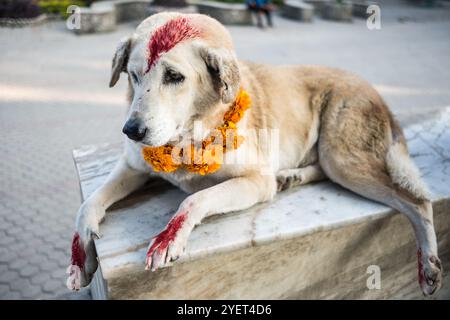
430 273
169 244
74 279
84 257
83 263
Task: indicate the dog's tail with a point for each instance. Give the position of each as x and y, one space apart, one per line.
402 170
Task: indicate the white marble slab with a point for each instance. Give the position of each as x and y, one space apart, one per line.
294 213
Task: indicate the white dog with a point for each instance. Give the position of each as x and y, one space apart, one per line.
182 69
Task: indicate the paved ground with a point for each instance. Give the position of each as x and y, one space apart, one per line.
54 97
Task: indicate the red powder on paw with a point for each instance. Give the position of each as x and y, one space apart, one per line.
78 254
169 234
168 36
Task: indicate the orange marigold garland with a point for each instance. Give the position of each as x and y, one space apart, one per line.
206 157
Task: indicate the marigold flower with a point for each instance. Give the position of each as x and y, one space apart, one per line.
207 158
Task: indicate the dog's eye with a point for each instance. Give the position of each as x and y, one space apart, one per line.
134 77
172 77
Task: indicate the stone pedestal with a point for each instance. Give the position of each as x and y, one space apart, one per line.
96 20
314 241
298 10
317 4
337 11
226 13
152 9
360 8
129 10
103 16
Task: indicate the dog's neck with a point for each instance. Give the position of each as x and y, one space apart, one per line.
213 118
225 137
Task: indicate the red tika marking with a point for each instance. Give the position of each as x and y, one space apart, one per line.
78 254
168 36
169 234
420 267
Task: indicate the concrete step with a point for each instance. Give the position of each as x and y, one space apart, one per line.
315 241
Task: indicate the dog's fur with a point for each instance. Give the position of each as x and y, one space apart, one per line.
331 124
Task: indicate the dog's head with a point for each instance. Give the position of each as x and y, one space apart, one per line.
180 69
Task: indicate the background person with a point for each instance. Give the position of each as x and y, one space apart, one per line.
260 8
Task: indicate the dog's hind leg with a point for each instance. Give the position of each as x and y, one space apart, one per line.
411 198
364 150
289 178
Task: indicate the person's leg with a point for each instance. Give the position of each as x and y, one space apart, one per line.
268 13
253 11
259 19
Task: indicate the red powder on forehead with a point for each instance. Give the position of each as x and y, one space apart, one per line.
168 36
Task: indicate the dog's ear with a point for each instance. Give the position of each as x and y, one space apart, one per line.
224 70
120 60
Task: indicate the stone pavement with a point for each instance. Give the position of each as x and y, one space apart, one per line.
54 96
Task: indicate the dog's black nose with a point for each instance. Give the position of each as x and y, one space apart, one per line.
134 129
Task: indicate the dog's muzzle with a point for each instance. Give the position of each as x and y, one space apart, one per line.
135 129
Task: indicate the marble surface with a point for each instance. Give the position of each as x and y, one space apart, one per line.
295 213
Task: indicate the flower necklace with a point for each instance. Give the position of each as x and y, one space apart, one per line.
207 157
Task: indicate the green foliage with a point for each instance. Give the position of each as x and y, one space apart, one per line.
60 6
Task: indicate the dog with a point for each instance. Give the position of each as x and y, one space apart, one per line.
182 68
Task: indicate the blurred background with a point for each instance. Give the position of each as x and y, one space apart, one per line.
54 95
